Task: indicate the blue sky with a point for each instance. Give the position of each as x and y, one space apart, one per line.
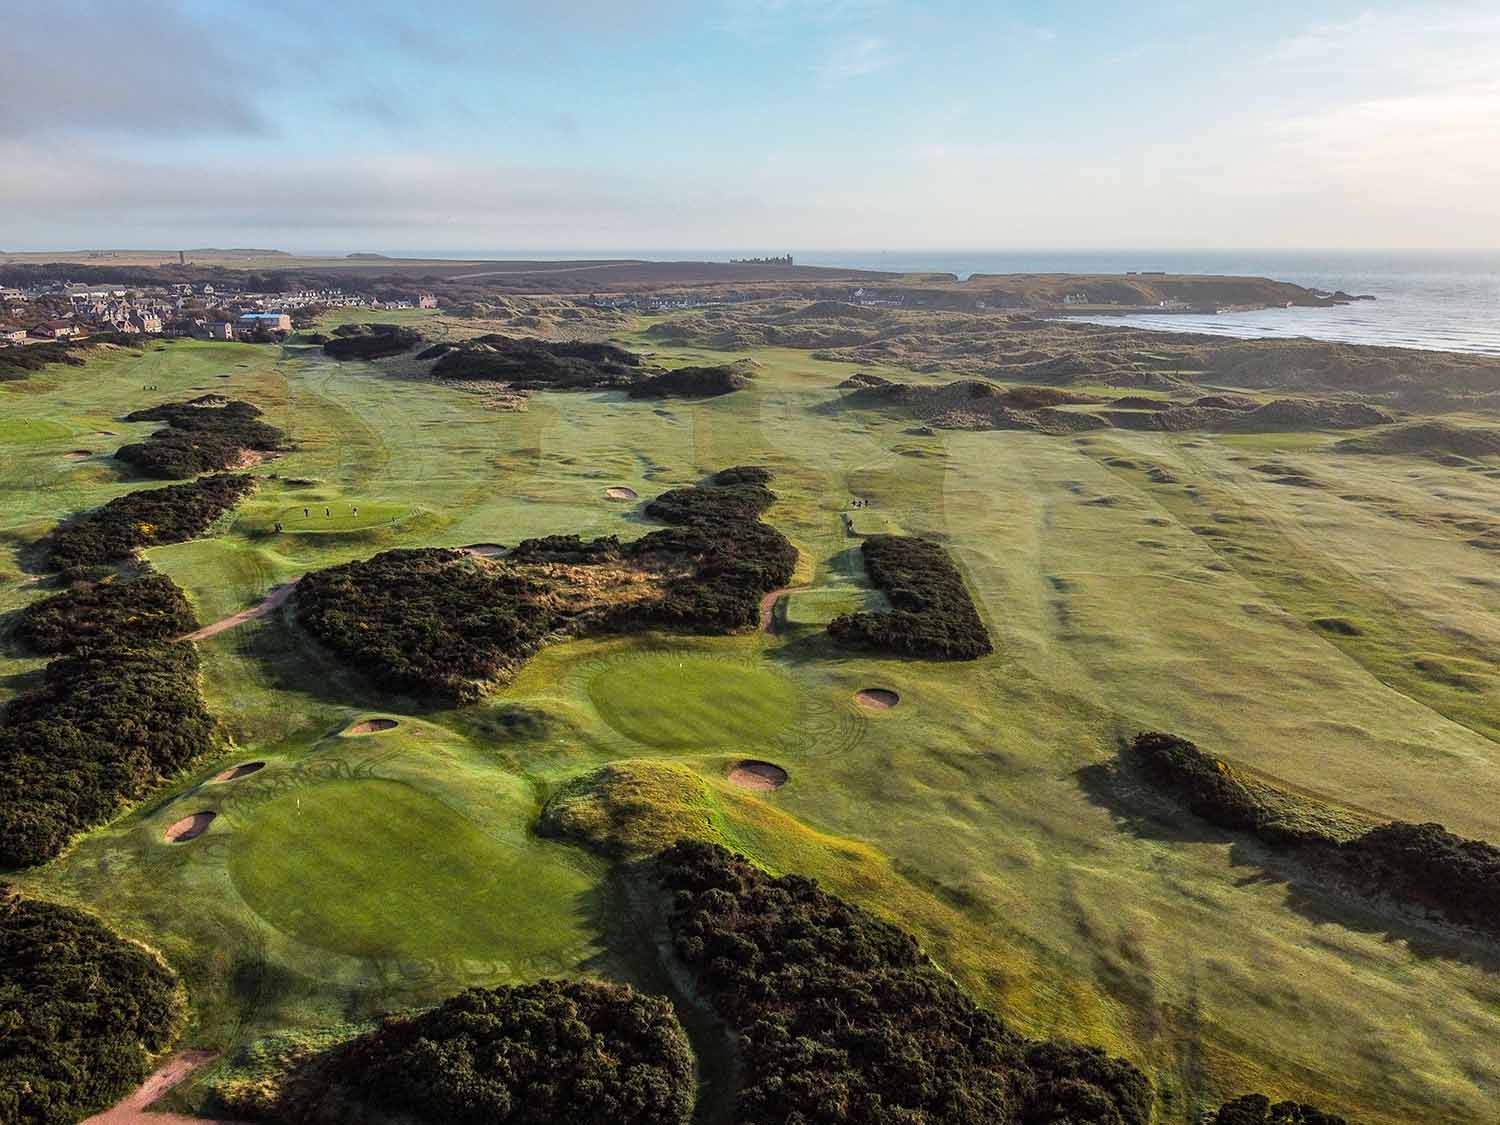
750 123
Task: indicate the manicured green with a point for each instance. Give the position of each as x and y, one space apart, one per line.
380 869
673 700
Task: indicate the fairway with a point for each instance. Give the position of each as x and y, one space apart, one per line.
27 431
379 869
819 607
673 700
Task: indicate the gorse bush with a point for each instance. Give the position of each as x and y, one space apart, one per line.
370 341
203 435
1423 865
134 611
446 627
539 365
107 727
931 612
550 1053
1257 1109
146 518
844 1019
80 1012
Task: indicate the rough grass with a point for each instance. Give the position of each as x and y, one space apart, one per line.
959 814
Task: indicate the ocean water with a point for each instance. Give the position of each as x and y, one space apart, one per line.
1443 300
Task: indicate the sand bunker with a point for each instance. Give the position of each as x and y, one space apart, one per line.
104 433
620 492
78 454
372 726
877 698
190 827
488 550
234 773
755 774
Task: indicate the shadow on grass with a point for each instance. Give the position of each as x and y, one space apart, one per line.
1313 889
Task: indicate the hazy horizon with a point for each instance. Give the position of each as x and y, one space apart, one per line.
751 123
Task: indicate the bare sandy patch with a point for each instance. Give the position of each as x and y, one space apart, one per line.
620 492
372 726
277 597
752 773
877 698
244 769
485 550
78 454
190 827
133 1108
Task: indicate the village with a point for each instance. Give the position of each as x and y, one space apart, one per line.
66 311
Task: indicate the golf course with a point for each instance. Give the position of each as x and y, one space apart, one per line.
1313 609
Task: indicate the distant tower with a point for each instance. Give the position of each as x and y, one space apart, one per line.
182 257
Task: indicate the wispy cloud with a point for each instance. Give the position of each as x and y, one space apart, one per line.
853 58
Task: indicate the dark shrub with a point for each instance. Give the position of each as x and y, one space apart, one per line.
845 1019
370 341
81 1011
550 1053
146 518
1256 1109
743 474
931 612
135 611
204 435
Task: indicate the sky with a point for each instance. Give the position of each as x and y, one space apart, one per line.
624 125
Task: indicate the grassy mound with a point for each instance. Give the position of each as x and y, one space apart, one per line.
81 1012
631 808
931 612
147 518
205 434
112 612
381 869
680 699
550 1053
1429 439
846 1020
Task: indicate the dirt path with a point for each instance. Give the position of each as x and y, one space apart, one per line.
278 597
132 1110
768 606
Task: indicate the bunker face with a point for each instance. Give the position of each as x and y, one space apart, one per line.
877 698
189 827
379 869
234 773
488 550
78 454
673 700
372 726
620 492
104 433
752 773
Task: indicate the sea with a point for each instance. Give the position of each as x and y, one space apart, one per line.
1436 300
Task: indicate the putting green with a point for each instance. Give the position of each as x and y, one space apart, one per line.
682 699
379 869
342 516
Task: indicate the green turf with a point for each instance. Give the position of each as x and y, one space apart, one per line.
379 869
679 699
22 430
819 607
344 514
966 814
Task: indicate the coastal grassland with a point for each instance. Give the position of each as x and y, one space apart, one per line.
970 814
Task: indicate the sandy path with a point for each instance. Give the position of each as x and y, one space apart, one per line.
768 605
132 1110
278 597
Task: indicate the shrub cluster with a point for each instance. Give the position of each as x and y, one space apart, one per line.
107 726
18 363
1421 864
370 341
444 626
145 519
528 364
931 612
81 1011
137 611
844 1019
203 435
550 1053
1257 1109
743 474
